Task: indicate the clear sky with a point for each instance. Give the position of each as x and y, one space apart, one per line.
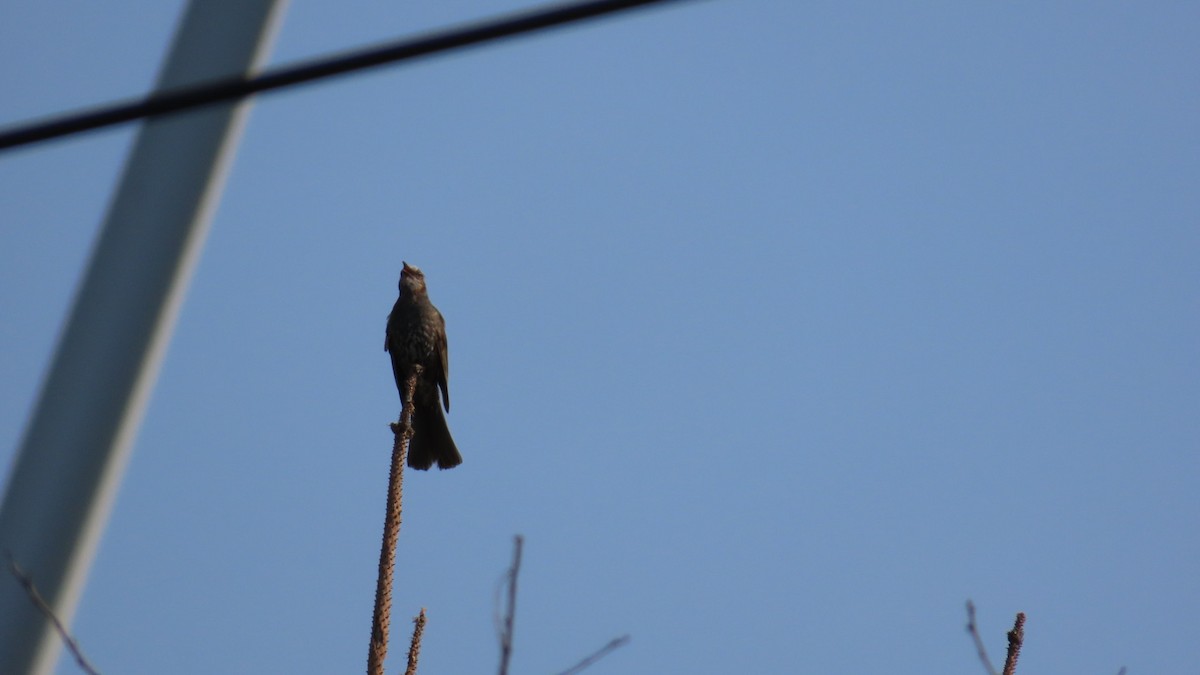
779 329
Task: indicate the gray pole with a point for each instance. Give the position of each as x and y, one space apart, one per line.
77 442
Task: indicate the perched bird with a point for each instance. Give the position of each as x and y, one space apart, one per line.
416 336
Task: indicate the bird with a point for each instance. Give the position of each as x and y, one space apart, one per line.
416 337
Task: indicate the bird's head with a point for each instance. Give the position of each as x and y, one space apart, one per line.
412 280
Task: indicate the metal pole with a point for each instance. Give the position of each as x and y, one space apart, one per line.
77 442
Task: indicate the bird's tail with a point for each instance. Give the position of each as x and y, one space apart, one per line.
431 440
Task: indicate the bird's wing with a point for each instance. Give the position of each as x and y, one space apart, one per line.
444 352
387 335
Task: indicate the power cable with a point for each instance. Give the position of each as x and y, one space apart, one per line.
287 76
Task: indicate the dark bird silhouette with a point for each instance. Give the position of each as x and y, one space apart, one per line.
416 336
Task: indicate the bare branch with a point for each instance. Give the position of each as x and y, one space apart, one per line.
974 631
506 629
1016 637
382 617
414 647
44 607
597 655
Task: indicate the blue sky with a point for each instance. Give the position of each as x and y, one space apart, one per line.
778 330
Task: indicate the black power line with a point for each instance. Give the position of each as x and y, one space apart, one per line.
241 87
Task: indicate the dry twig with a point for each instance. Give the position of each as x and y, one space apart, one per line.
44 607
1016 637
414 647
381 620
597 655
506 628
973 629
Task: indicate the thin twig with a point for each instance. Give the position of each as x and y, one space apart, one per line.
414 647
44 607
506 632
597 655
382 617
974 631
1016 637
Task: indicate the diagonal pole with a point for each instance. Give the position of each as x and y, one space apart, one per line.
77 442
